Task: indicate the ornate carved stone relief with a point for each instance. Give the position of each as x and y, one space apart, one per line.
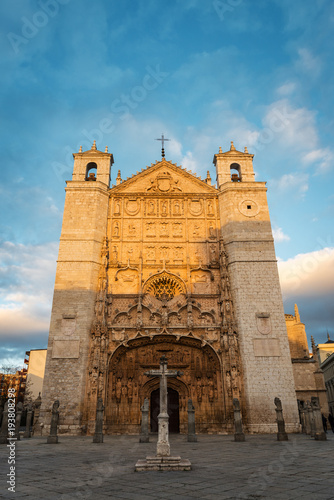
164 183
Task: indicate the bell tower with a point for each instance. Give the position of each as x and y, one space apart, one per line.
246 236
82 238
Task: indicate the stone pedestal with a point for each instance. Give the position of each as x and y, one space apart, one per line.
144 436
319 433
239 436
27 432
37 408
19 408
281 434
192 438
98 436
311 418
53 438
162 464
4 425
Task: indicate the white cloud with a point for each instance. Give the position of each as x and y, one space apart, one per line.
296 182
294 127
287 88
279 235
308 63
26 286
322 158
308 275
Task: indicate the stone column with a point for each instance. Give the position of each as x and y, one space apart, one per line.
311 418
53 438
1 410
281 434
307 419
37 406
163 446
319 433
19 408
144 436
192 438
4 425
302 416
27 432
239 435
98 436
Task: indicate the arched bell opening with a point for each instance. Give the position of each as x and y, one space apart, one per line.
235 172
91 171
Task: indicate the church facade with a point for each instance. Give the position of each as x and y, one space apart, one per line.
164 263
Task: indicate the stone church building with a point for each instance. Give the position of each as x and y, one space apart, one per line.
165 263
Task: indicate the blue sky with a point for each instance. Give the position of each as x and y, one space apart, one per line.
257 72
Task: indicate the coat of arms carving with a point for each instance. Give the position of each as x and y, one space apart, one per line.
263 323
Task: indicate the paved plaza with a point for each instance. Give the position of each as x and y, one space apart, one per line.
260 468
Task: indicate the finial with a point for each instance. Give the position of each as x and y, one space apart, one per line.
118 178
80 149
246 150
313 344
208 178
106 150
328 336
297 316
220 149
94 145
232 148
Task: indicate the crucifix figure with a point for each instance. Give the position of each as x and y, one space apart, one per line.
163 447
162 139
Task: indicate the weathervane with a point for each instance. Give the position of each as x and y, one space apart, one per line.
162 145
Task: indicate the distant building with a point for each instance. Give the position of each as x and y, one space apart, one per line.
35 359
14 380
326 357
325 350
309 378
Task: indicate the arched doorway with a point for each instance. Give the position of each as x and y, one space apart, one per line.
172 410
128 384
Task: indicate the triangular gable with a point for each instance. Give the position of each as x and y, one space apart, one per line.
163 177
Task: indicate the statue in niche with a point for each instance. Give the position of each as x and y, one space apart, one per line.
151 207
116 229
118 390
212 232
117 208
213 253
130 389
115 254
228 383
164 208
177 208
199 390
210 207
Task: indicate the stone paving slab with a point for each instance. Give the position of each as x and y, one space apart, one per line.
261 468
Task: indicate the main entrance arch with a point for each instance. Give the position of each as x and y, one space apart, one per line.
173 410
128 386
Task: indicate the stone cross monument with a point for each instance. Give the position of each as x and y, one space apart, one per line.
163 447
163 461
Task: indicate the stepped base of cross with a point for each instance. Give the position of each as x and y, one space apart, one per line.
160 463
